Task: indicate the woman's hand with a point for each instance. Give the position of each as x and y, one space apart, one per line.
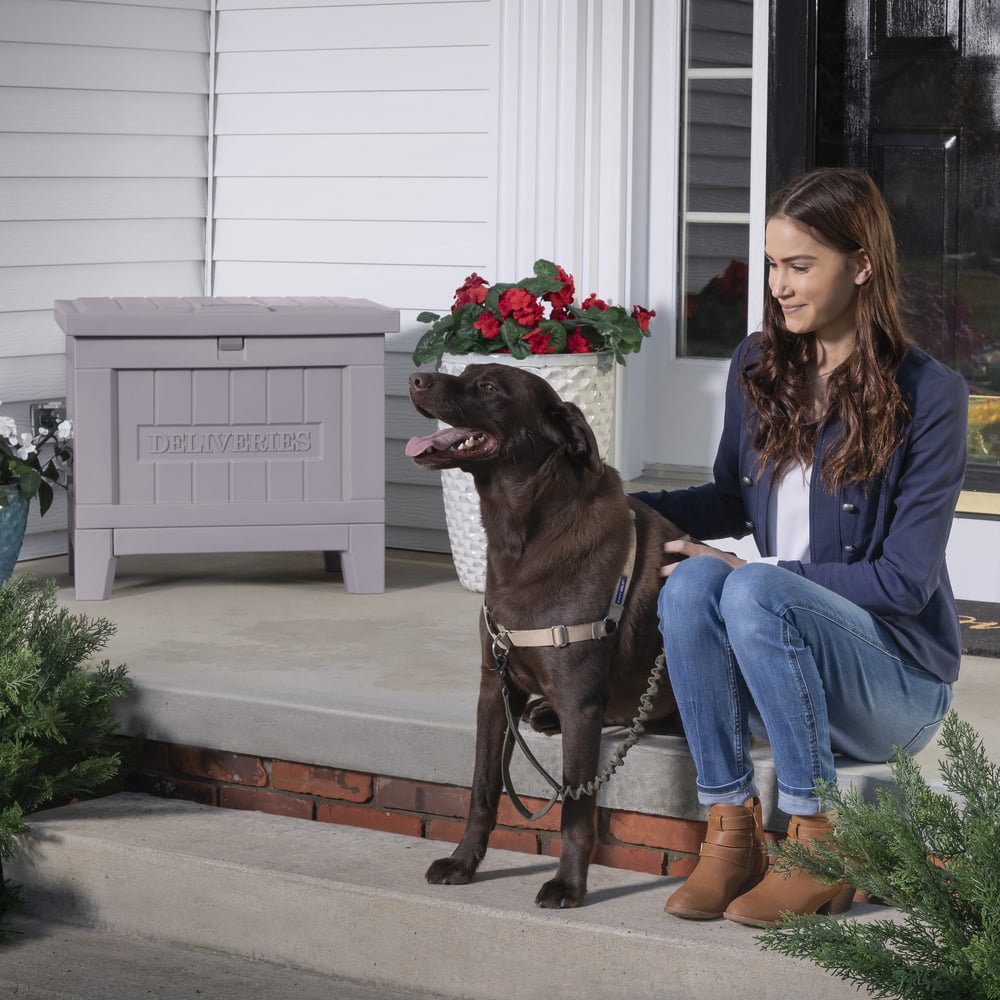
684 548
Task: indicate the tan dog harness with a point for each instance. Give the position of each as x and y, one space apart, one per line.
562 635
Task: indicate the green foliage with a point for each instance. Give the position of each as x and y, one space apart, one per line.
933 856
55 712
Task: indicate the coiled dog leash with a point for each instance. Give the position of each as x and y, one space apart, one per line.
615 761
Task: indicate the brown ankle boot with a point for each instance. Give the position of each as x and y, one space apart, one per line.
732 859
785 888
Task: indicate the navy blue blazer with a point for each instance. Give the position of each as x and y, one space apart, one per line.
883 549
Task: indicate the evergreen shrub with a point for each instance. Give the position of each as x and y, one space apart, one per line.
56 716
935 857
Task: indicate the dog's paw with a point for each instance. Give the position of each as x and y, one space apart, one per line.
559 895
541 716
450 871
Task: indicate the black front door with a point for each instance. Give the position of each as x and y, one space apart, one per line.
910 91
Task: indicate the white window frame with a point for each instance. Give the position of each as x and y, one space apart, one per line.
684 396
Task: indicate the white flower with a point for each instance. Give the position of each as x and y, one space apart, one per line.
8 429
25 446
64 431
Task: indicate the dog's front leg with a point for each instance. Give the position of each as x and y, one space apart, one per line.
487 783
581 744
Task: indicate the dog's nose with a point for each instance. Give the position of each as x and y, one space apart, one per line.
420 381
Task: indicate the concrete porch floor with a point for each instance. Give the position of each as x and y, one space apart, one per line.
268 654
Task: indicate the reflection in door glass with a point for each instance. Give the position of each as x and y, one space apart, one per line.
911 93
715 194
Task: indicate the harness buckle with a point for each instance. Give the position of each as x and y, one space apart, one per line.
560 636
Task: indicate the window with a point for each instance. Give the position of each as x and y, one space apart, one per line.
715 202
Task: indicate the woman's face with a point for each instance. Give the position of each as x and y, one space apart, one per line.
815 285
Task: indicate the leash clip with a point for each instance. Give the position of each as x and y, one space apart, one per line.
500 648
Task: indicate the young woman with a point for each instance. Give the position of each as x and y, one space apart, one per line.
843 451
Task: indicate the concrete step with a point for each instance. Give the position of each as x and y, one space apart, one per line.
353 903
57 961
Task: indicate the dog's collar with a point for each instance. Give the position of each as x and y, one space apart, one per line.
562 635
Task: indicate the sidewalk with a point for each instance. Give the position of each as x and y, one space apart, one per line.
35 968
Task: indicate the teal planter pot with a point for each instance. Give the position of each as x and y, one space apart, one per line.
13 518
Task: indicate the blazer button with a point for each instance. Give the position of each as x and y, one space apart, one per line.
849 508
748 525
747 481
850 548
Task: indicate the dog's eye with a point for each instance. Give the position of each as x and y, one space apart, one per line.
488 386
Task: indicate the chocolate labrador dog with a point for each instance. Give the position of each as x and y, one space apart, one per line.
559 531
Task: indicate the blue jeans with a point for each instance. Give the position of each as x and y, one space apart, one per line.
762 649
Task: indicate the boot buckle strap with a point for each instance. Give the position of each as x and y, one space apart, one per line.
730 838
737 856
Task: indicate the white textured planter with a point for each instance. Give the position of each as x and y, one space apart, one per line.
588 380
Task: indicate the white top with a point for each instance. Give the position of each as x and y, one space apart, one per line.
788 516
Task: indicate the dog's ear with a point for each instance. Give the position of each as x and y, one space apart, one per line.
574 433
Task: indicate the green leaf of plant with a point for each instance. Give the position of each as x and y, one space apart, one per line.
45 496
511 332
30 481
556 332
429 347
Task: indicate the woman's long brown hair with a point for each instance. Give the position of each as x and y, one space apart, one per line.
844 210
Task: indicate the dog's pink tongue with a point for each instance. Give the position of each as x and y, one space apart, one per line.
439 441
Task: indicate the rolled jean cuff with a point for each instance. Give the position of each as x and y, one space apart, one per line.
734 794
799 801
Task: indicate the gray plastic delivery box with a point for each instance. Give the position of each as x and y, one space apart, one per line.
226 425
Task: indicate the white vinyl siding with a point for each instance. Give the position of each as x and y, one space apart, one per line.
103 176
356 155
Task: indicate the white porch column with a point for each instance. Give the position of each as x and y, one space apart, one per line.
573 127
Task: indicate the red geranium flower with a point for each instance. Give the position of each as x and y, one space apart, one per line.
642 316
541 343
522 305
562 298
593 300
473 290
577 343
488 325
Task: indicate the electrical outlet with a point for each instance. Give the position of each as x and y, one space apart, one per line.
47 415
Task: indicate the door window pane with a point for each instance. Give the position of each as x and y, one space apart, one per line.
718 146
914 102
949 278
720 33
715 177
